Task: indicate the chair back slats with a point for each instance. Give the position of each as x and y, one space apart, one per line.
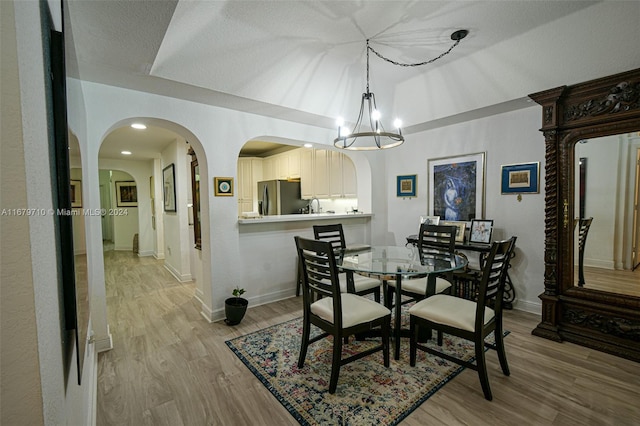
319 274
436 238
332 233
494 276
583 230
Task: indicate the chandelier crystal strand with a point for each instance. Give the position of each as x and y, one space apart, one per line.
380 137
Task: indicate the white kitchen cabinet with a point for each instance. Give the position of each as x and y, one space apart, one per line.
335 174
321 181
282 166
250 172
269 168
306 174
327 174
294 163
342 176
349 178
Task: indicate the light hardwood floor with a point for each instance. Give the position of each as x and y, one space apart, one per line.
169 366
614 281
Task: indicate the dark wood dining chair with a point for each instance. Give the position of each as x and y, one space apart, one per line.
470 320
349 282
337 313
432 239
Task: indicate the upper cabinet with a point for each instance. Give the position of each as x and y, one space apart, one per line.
282 166
250 172
349 179
323 174
327 174
306 174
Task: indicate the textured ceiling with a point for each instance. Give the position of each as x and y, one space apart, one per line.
304 61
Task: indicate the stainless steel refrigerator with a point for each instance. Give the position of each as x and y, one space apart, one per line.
279 197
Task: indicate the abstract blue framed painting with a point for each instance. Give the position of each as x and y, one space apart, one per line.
521 178
456 187
406 186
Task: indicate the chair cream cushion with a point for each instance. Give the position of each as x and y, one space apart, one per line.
360 282
355 309
419 285
451 311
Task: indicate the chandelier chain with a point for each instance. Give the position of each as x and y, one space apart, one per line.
402 64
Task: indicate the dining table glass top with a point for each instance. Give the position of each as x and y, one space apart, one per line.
394 260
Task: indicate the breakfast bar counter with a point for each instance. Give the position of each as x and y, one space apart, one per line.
302 217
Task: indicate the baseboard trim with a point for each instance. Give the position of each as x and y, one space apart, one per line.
219 315
105 344
531 307
183 278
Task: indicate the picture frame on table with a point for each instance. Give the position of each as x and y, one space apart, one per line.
169 188
456 187
481 231
76 193
430 220
223 186
522 178
126 194
406 186
460 228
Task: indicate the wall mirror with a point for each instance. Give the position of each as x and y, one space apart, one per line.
602 115
607 187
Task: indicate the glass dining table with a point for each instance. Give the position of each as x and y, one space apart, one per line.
398 263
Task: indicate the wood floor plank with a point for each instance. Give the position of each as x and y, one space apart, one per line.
170 366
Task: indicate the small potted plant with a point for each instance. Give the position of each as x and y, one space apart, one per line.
235 307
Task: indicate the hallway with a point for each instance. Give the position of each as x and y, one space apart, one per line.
169 366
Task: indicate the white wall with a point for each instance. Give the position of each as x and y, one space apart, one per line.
506 139
36 387
176 224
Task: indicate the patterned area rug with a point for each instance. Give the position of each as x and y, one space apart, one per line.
367 393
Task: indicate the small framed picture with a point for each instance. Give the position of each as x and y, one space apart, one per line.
430 220
481 231
223 186
169 188
406 186
521 178
126 194
461 226
76 194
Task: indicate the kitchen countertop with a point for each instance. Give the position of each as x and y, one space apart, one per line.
301 217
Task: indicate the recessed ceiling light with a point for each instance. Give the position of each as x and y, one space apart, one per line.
308 145
138 126
125 152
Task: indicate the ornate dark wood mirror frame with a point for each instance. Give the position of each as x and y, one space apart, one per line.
604 321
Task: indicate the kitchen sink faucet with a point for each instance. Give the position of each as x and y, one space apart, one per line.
311 206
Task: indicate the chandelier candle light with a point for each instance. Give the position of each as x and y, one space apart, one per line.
375 136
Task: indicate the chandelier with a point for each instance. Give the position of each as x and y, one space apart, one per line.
368 130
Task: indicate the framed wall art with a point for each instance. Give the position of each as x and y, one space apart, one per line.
76 194
126 194
456 187
406 186
521 178
223 186
169 188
